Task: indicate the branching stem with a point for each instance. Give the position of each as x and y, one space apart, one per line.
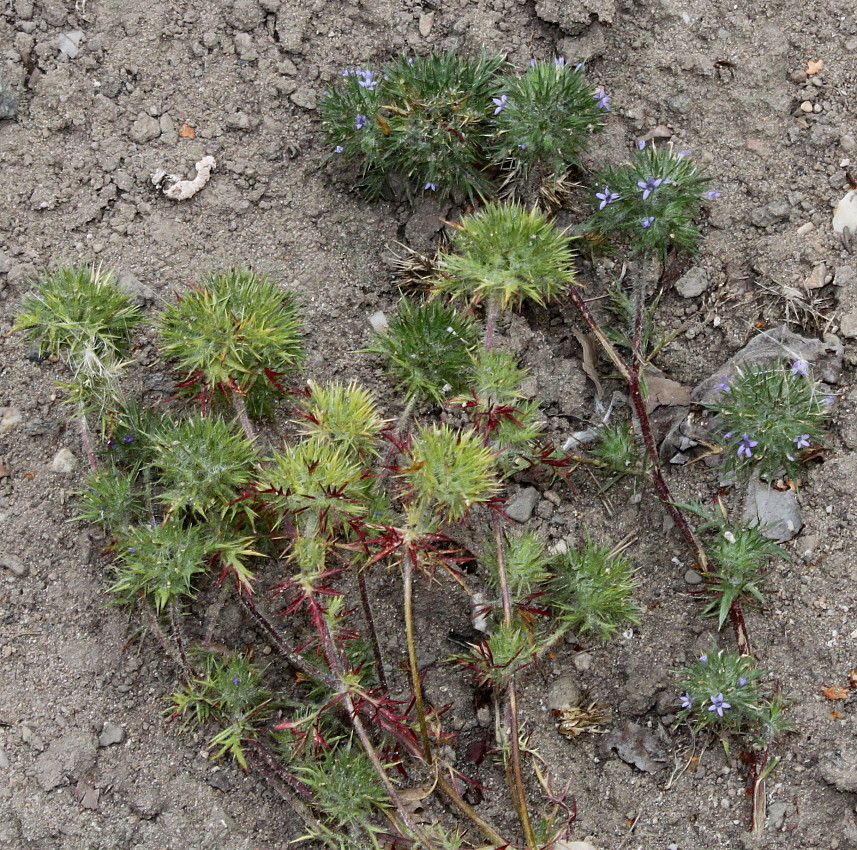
243 416
416 684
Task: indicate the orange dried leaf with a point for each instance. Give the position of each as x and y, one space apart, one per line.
835 692
835 715
813 67
187 132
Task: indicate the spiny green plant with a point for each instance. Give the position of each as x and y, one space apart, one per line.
546 117
77 309
422 119
205 464
427 346
722 692
591 589
651 201
231 690
617 447
235 333
344 415
526 561
160 562
111 499
506 254
768 414
449 472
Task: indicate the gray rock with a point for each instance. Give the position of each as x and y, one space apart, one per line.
8 101
304 96
592 44
145 129
777 812
111 733
824 358
692 577
582 661
32 738
692 283
564 693
4 263
521 507
771 214
840 771
575 16
848 324
20 273
775 512
844 276
69 43
64 462
146 803
10 420
134 287
14 564
64 759
220 780
246 15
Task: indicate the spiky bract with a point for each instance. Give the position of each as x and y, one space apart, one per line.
449 472
661 220
319 484
428 348
508 253
76 309
205 463
548 118
111 499
234 331
525 558
345 416
592 589
160 562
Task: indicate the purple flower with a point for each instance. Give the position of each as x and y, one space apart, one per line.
647 222
127 439
828 399
559 61
606 197
367 79
361 121
742 680
801 442
686 700
522 147
746 445
728 435
532 63
641 144
132 549
649 185
430 187
236 680
338 149
602 99
710 195
499 103
800 367
723 386
703 659
682 154
718 704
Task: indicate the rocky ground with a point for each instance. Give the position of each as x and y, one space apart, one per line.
97 95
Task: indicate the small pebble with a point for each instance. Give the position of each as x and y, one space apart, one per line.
805 228
14 564
692 577
582 661
564 693
111 733
12 418
806 106
64 462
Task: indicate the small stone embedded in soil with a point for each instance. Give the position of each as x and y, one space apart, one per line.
8 101
840 771
635 745
220 780
848 324
692 577
246 15
14 564
425 24
69 43
817 277
64 462
145 129
12 418
521 507
776 513
563 693
146 803
692 283
582 661
31 738
111 733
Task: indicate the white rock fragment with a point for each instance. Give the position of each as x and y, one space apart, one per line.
10 420
378 321
64 462
181 190
845 214
69 43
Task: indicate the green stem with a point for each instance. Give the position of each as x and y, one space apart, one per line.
416 684
370 625
514 774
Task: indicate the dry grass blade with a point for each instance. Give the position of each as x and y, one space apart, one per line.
413 271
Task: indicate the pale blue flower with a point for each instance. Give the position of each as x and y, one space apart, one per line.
687 700
801 442
647 222
746 446
606 197
499 103
649 185
361 121
718 704
602 99
800 367
711 194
